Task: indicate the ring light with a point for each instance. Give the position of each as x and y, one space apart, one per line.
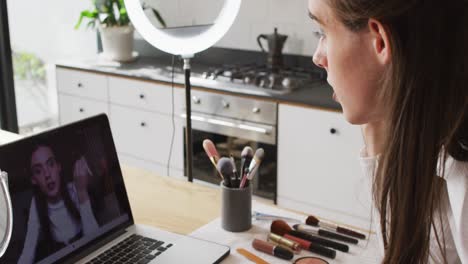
186 42
189 40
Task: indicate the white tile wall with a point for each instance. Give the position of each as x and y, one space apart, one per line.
255 17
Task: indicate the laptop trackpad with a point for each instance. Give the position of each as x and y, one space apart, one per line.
194 251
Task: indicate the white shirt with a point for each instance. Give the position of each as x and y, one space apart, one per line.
63 226
455 199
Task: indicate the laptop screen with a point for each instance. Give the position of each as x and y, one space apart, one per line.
67 191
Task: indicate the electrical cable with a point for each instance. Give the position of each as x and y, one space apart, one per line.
173 119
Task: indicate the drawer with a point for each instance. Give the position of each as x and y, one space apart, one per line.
147 135
83 84
245 108
74 108
142 94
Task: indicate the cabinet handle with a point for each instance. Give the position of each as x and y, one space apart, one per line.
256 110
81 110
333 131
80 85
142 96
142 124
226 104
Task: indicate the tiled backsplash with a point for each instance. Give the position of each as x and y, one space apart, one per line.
256 17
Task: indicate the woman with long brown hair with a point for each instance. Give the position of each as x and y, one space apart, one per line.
399 68
61 211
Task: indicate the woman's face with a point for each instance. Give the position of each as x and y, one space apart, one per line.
354 68
46 172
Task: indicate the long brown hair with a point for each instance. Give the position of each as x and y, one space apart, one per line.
425 96
41 200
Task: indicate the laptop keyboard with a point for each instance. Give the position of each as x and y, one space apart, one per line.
134 249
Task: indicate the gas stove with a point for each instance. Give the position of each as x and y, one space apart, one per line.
282 80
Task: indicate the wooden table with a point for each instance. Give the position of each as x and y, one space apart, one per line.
170 204
177 205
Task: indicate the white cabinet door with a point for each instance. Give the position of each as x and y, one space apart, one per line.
318 166
144 95
83 84
74 108
147 136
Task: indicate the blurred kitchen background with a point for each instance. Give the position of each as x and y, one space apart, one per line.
276 99
42 33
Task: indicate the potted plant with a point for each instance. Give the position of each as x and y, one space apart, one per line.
113 23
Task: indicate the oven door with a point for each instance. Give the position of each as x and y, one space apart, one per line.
230 136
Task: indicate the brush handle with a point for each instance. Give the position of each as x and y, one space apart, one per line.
243 182
321 241
336 236
348 232
323 251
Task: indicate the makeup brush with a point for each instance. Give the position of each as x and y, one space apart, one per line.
262 216
312 247
225 168
272 249
313 230
251 256
253 167
314 221
289 244
280 227
211 151
246 157
233 161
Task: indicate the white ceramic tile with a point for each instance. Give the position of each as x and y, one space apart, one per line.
255 10
197 12
255 17
288 11
237 37
167 9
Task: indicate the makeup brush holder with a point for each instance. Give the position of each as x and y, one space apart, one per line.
236 208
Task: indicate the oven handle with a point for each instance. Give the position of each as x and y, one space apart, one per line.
219 122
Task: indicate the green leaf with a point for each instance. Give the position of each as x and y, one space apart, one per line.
86 14
159 17
124 20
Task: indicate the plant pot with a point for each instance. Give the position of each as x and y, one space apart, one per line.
117 42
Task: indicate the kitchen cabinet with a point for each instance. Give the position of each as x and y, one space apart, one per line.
82 84
147 135
73 108
150 96
318 164
140 114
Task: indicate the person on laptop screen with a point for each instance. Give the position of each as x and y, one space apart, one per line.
60 211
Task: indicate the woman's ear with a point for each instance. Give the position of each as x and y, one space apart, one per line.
380 41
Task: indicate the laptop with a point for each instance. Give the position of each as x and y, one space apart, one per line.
70 204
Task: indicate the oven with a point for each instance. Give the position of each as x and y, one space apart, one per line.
233 122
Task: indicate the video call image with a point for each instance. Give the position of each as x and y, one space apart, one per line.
63 188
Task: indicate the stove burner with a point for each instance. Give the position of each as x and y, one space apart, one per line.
284 79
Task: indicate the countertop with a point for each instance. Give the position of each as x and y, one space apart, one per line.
317 95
